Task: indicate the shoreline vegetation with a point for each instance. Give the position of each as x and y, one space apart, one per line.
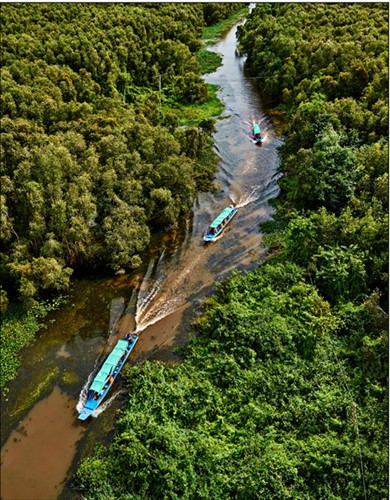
18 329
37 262
283 391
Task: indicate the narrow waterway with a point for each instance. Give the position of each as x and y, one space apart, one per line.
42 440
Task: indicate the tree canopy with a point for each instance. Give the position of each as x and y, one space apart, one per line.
90 165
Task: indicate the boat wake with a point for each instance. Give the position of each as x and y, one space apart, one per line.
144 301
263 139
247 198
160 303
146 293
100 409
148 290
219 236
84 391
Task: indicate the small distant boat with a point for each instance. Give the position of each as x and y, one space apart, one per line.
107 374
219 224
256 133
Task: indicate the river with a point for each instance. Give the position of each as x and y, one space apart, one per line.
42 440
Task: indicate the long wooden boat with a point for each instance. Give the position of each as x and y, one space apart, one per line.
107 374
219 224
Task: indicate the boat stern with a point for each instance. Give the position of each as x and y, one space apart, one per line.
89 407
85 413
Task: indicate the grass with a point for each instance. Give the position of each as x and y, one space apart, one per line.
208 61
216 30
193 114
70 377
16 331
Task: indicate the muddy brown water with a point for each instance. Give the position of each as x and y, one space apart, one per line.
42 440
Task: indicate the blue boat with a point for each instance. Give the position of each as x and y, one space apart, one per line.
219 224
107 374
256 133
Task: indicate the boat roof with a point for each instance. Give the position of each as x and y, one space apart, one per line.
225 212
123 344
108 367
99 381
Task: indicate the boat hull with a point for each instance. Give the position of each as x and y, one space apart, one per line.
86 413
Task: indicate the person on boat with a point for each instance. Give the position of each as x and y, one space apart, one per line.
256 131
111 379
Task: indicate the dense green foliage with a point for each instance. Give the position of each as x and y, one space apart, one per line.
91 160
333 213
340 51
284 392
259 409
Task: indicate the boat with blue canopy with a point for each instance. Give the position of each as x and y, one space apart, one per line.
256 133
107 374
219 224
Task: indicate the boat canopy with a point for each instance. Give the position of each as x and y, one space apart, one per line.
117 352
256 128
109 365
221 217
100 380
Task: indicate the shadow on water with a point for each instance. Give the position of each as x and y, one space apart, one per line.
42 440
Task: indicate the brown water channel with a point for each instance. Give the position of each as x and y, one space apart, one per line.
42 440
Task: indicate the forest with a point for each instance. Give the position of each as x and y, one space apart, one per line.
94 156
283 389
